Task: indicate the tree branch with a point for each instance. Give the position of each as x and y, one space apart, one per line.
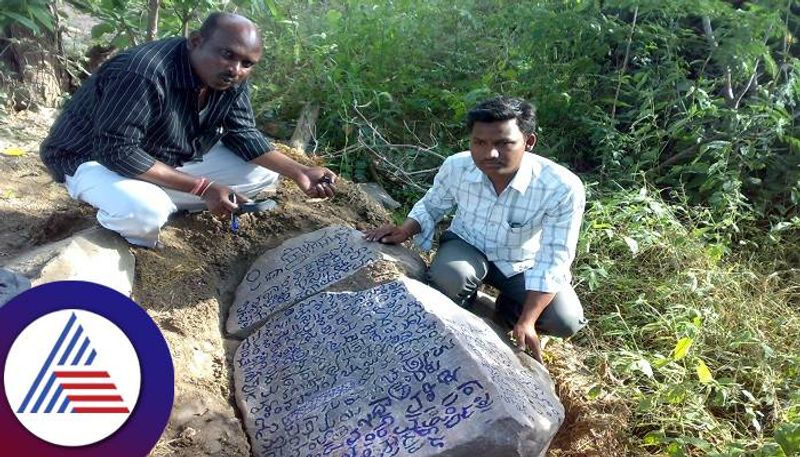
152 20
727 92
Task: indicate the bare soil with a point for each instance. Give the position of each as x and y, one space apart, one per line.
187 288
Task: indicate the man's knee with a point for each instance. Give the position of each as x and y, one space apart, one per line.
138 222
256 180
565 326
564 317
457 280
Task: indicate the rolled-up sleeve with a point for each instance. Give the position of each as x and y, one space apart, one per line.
127 103
430 209
560 228
240 133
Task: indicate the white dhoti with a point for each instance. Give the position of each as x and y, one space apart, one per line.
137 209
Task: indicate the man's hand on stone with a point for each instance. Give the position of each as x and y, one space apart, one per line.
317 182
525 337
387 234
218 201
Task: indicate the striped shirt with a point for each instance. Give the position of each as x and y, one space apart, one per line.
531 227
142 106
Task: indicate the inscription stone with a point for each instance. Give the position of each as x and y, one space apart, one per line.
396 370
304 266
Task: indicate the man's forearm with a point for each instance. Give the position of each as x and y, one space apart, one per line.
535 304
280 163
164 175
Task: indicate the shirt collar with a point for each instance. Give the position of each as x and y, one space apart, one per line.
473 175
520 182
524 175
184 76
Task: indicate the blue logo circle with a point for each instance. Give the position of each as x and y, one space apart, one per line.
86 372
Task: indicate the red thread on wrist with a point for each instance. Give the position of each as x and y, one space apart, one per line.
198 185
204 189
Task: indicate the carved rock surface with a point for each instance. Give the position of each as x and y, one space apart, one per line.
95 255
397 370
304 266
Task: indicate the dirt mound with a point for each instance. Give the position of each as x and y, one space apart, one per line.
33 209
596 423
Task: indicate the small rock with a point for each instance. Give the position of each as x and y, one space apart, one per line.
95 255
379 194
11 285
188 433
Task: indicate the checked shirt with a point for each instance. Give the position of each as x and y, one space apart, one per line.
531 227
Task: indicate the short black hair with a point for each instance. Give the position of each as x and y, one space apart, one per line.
502 109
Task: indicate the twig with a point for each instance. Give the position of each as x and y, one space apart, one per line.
712 41
420 172
676 158
624 63
152 19
681 155
384 140
399 172
747 87
786 35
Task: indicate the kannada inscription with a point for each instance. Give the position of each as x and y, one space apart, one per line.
379 373
297 269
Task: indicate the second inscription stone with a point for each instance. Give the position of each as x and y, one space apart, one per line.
295 270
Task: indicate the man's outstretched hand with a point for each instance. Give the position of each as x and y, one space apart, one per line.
387 234
317 182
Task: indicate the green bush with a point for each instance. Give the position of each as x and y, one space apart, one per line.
616 97
703 343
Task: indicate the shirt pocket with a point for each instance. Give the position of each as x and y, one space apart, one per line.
522 239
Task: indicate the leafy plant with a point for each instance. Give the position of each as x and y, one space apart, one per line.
35 15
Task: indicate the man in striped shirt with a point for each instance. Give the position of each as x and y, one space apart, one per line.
168 125
515 227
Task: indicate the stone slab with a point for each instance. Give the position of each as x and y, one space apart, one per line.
397 370
95 255
304 266
11 285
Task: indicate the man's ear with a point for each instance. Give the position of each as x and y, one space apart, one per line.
530 142
195 40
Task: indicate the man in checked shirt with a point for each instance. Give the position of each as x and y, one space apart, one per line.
515 227
168 125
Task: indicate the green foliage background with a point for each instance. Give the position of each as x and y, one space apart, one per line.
413 68
681 118
692 303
